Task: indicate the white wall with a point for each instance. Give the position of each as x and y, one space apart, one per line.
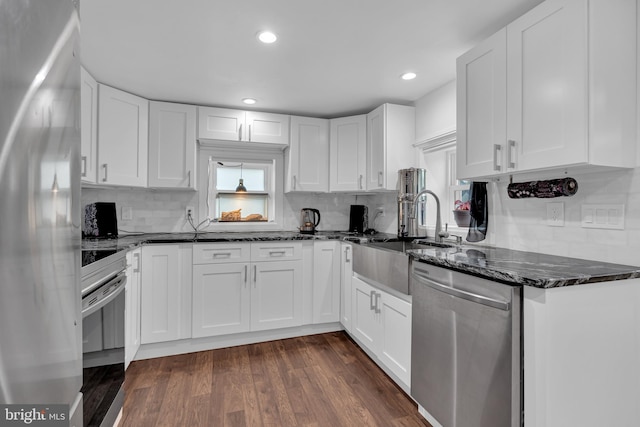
436 112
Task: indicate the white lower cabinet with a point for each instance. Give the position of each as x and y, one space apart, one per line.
232 293
166 293
346 272
132 307
326 282
382 323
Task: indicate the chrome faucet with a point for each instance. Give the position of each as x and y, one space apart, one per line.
439 233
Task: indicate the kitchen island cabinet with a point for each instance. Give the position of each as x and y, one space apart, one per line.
553 90
123 141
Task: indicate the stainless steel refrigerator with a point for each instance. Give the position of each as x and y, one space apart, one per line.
40 319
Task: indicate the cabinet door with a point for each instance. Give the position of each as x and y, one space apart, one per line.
348 153
481 108
89 131
267 128
326 282
547 86
220 123
346 271
308 156
376 149
161 297
122 138
172 145
221 299
395 335
276 295
132 311
364 318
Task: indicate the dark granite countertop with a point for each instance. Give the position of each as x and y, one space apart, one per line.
523 268
504 265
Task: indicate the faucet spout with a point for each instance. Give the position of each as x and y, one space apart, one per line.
439 233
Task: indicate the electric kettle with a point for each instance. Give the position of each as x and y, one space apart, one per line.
309 220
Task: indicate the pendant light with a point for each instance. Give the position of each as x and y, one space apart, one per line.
241 188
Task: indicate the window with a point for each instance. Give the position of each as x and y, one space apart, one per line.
226 204
459 190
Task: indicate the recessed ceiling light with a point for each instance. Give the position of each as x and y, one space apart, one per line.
408 76
249 101
267 37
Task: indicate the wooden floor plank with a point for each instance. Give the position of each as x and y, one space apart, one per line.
315 381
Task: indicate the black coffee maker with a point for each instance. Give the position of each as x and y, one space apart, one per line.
358 219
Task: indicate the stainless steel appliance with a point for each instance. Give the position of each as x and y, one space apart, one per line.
358 219
103 305
466 348
309 220
40 312
411 215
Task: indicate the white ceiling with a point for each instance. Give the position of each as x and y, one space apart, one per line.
333 57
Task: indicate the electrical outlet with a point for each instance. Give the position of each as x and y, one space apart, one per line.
189 211
127 213
381 210
555 214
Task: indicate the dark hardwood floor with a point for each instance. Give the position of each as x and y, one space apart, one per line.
318 380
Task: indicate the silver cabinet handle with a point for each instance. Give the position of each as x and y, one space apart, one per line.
510 151
380 179
240 133
188 179
255 275
105 172
249 132
277 253
245 273
295 181
84 166
222 254
496 148
347 251
372 304
360 182
469 296
378 295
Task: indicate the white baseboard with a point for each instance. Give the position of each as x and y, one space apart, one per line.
171 348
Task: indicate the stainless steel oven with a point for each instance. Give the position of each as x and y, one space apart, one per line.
103 283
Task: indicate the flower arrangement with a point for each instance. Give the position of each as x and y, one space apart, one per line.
459 205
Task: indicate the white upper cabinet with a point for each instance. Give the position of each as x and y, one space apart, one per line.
390 137
556 89
348 153
122 138
308 155
482 108
89 131
172 145
237 125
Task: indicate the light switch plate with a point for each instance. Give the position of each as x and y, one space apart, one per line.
127 213
555 214
609 217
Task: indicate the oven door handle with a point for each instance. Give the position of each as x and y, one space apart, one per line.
109 291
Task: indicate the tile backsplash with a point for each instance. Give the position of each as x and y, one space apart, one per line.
156 211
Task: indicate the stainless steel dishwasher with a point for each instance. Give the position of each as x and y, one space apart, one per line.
466 368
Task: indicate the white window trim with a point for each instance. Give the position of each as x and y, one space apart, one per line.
276 221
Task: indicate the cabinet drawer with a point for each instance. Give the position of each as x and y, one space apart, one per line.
213 253
276 251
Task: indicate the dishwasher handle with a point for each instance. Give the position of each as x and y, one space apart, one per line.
469 296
